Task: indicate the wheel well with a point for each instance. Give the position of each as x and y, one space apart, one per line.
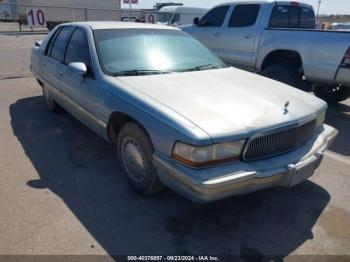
115 123
287 56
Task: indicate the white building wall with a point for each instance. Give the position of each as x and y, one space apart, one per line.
70 10
108 4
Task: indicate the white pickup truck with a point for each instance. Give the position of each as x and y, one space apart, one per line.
278 39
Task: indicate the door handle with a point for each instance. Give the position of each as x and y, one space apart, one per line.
44 63
60 73
248 36
217 34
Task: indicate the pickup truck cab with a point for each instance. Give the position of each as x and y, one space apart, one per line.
278 39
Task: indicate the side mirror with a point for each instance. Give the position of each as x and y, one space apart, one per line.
78 68
196 21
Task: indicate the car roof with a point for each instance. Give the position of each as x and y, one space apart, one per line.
96 25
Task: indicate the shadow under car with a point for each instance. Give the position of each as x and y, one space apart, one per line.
82 169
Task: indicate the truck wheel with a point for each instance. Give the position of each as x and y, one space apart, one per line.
332 93
135 153
51 104
286 74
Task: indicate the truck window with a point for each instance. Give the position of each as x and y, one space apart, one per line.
292 17
307 18
215 17
59 46
244 15
78 49
279 17
163 17
175 19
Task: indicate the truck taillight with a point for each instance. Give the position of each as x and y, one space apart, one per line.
294 3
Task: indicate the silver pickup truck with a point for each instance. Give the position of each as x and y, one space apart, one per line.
278 39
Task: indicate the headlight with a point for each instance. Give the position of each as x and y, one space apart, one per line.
201 156
320 118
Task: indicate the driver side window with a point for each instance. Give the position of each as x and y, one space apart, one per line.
78 49
215 17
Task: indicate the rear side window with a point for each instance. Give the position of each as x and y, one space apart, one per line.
78 48
307 18
292 17
279 17
244 15
51 41
60 43
215 17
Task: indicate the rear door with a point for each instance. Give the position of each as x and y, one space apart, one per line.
239 40
54 55
209 29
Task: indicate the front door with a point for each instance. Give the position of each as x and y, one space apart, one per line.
239 41
83 91
209 29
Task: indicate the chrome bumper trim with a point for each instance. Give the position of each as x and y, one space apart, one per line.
219 182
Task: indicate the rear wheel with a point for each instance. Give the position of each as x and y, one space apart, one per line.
51 104
135 153
287 74
332 93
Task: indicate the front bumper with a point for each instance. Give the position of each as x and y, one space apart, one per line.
214 183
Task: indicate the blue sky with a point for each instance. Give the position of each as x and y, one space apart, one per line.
327 6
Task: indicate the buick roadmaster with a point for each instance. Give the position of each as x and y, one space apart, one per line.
179 117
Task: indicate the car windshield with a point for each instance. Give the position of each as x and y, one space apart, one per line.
151 51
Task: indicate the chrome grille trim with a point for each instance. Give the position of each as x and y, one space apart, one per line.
278 141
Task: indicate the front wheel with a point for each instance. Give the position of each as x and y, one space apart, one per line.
135 153
332 93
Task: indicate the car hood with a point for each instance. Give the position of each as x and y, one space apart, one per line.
228 102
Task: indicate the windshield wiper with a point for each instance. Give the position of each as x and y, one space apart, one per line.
138 72
202 67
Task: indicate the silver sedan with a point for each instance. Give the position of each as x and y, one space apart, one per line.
177 114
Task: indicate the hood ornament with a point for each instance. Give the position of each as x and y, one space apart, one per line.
286 105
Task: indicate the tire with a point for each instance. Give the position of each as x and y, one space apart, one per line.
51 104
135 153
286 74
332 93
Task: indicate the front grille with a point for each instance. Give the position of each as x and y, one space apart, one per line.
279 142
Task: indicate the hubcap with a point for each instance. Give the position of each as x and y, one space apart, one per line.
134 159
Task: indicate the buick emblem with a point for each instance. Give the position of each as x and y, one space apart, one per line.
286 105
